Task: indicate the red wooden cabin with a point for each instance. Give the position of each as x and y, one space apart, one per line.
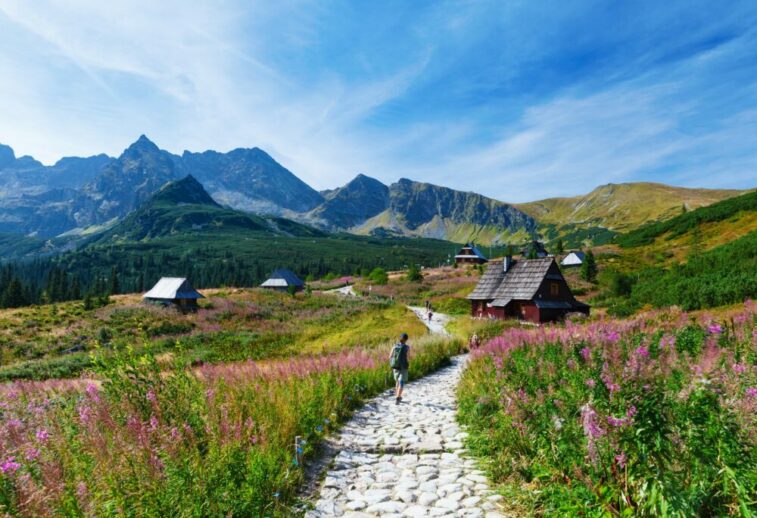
527 289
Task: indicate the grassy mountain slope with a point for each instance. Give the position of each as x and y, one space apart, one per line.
622 207
183 207
732 209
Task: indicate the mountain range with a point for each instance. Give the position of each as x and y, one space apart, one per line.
85 196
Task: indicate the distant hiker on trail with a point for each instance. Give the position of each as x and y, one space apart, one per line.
399 363
428 306
430 314
475 341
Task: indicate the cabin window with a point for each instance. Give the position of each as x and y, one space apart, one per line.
554 289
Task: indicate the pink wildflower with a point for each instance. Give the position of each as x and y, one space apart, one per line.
591 383
738 368
621 460
613 336
592 430
42 435
714 328
10 465
85 414
151 396
93 392
643 352
32 453
751 392
153 423
586 354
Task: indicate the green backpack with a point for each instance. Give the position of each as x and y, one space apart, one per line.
396 360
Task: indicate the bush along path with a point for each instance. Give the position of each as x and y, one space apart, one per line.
407 459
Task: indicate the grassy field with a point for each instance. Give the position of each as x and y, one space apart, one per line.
60 340
165 420
653 416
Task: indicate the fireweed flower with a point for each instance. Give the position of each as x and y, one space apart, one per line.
10 465
738 368
586 354
591 383
751 392
643 352
42 435
32 453
621 460
592 430
85 414
613 336
714 328
151 396
93 392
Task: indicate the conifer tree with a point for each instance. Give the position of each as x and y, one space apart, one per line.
589 267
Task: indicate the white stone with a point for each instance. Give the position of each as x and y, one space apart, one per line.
427 498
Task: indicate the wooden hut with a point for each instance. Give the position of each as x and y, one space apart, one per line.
469 254
573 259
175 291
283 280
527 289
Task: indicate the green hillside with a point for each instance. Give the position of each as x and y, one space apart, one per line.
729 209
184 207
623 207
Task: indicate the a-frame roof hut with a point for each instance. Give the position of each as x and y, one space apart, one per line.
573 259
469 254
531 289
174 290
282 279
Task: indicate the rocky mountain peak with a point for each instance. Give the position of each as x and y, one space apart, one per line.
7 156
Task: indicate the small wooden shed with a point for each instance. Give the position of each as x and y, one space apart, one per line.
573 259
175 291
283 280
469 254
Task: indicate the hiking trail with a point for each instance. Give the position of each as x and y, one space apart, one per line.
407 460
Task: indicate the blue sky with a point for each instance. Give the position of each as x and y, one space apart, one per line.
518 100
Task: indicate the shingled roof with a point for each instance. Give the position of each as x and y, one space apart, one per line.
522 280
489 282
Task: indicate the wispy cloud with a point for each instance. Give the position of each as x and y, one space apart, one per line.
467 95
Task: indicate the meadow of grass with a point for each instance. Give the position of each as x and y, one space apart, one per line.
655 415
446 289
137 439
58 340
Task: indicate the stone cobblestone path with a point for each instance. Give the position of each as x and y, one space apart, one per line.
407 460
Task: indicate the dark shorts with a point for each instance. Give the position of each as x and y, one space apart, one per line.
400 376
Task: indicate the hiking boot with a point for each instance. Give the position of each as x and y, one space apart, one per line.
397 400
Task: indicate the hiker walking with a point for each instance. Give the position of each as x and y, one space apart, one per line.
428 306
399 363
430 313
475 341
